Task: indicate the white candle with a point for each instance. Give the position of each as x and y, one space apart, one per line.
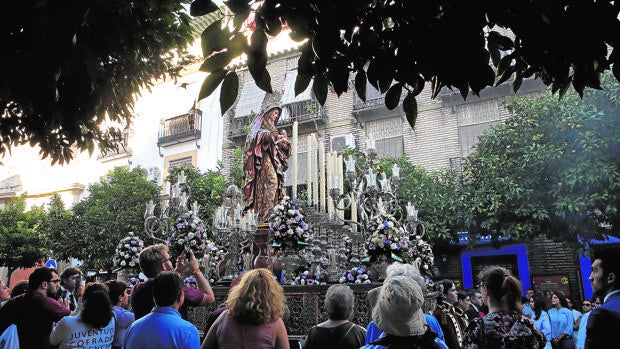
322 174
353 210
315 174
340 182
330 175
309 168
295 156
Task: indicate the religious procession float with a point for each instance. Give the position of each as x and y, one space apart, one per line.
348 229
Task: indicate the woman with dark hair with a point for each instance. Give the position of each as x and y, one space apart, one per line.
541 317
253 315
561 322
337 331
94 324
119 295
504 326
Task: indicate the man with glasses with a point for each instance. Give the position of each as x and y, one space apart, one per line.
580 338
35 311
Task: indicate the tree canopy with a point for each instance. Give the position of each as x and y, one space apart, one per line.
115 206
553 168
67 65
21 242
400 46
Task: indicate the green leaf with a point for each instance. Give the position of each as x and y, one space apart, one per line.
229 91
240 18
360 84
216 62
319 87
237 6
257 61
410 106
237 45
211 82
301 83
202 7
213 38
392 97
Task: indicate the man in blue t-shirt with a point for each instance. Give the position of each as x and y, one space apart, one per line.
163 327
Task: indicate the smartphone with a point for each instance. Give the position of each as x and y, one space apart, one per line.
63 294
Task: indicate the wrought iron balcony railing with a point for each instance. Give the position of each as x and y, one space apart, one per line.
182 128
302 112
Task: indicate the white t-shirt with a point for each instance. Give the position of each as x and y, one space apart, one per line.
71 333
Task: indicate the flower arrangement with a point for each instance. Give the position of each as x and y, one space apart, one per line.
288 226
133 282
358 275
387 240
305 277
421 253
190 281
216 256
188 232
127 252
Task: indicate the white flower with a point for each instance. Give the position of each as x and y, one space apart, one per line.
390 225
126 245
123 263
132 264
191 235
180 241
134 249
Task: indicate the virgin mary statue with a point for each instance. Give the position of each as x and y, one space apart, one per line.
265 164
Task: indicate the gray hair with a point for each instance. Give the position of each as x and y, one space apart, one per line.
339 301
407 270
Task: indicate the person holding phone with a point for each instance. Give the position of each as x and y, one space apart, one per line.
156 258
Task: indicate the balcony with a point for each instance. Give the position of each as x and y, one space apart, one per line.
306 113
182 128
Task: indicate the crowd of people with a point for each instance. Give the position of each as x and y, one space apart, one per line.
60 311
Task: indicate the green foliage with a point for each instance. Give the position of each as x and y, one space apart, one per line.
434 193
114 207
236 172
207 188
57 226
412 43
553 168
21 238
66 66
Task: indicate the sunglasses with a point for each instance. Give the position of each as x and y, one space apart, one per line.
55 281
587 304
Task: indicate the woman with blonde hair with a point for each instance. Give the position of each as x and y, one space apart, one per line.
253 315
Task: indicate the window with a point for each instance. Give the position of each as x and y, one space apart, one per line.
288 96
250 100
392 147
473 120
182 162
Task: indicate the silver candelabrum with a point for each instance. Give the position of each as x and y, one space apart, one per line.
234 230
371 193
172 205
